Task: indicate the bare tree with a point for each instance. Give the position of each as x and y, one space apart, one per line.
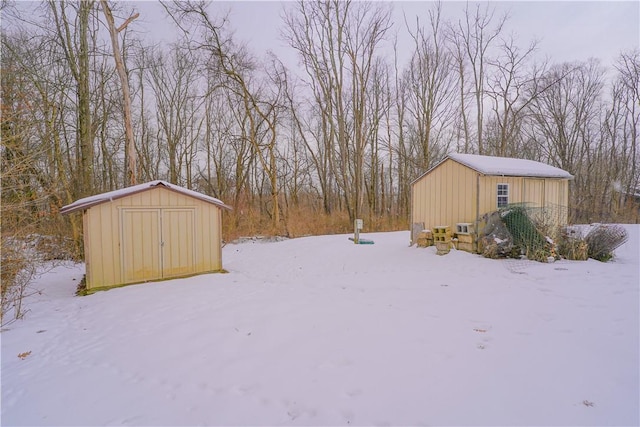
130 147
565 121
233 64
473 38
33 167
510 89
77 59
173 79
623 128
432 82
337 42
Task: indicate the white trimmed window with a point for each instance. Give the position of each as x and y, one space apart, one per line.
503 195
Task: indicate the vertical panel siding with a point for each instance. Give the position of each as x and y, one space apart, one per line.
104 266
216 236
91 235
203 252
534 192
178 242
563 198
107 272
87 239
557 198
141 245
211 238
102 223
445 196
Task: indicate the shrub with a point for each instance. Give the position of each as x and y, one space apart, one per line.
23 257
572 245
17 272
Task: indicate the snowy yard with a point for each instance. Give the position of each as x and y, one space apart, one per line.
318 331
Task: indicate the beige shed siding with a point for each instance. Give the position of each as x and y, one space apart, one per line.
557 197
534 191
445 195
178 242
177 215
557 192
87 242
102 256
140 236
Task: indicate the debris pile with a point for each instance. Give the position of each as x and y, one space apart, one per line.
494 239
522 232
512 233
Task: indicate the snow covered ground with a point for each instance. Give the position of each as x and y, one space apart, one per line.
318 331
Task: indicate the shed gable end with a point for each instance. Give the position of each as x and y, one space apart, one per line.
149 235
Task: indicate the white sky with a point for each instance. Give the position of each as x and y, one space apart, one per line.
567 30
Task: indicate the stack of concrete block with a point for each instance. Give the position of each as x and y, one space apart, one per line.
465 237
442 239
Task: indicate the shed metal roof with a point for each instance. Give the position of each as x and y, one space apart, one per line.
504 166
87 202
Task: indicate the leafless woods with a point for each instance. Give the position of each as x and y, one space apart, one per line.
297 150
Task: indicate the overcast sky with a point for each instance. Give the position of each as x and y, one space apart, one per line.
567 30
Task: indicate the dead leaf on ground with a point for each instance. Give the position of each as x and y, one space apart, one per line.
24 355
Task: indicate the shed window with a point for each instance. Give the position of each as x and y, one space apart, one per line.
503 195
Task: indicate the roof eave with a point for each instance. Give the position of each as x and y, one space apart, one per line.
65 210
569 177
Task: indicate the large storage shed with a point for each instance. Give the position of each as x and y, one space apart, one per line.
463 187
149 232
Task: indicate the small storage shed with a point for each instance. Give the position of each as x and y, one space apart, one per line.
463 187
147 232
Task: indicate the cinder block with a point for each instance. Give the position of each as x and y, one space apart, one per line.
442 233
441 229
465 228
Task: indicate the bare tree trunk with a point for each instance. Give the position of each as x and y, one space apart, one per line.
130 146
84 100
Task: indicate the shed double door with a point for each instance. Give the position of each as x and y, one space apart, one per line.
157 243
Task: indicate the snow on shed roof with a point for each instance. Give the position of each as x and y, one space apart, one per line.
90 201
504 166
